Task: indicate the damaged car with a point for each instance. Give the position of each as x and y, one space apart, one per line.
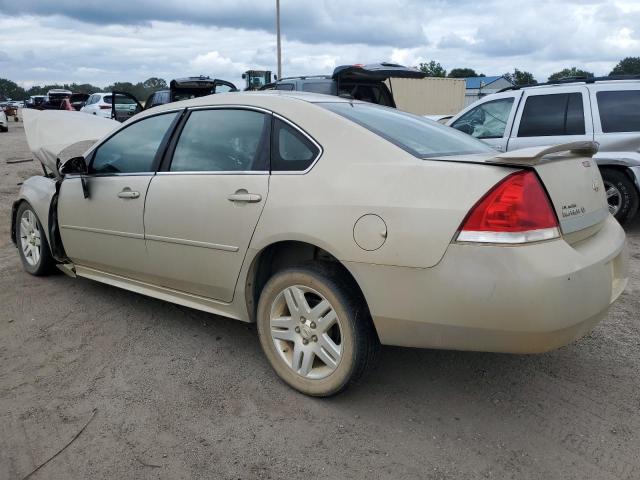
336 225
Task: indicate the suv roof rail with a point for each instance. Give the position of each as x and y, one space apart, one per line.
564 80
303 77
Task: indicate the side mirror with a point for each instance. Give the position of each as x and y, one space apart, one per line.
244 76
74 166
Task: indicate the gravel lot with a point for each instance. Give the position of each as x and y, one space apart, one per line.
183 394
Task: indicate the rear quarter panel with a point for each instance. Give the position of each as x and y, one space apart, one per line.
422 202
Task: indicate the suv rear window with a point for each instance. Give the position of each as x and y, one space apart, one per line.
416 135
619 110
551 115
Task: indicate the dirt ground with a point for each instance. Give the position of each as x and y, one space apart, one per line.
183 394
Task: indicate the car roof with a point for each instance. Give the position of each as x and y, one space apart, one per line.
267 99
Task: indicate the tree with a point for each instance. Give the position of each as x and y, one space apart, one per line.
11 90
570 72
627 66
433 69
520 77
154 84
464 73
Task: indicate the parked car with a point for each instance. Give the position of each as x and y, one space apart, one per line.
35 101
4 123
102 105
334 224
359 82
603 109
190 87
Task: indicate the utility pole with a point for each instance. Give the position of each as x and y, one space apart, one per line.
278 39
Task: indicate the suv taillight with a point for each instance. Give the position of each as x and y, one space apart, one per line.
516 210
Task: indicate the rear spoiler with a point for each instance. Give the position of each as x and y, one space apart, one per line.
534 155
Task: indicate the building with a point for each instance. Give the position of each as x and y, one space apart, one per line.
428 96
478 87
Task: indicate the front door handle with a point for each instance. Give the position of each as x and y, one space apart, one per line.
128 193
244 196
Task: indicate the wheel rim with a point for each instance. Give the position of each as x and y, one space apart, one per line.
306 332
30 240
614 197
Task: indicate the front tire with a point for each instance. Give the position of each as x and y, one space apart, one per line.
32 242
622 196
315 329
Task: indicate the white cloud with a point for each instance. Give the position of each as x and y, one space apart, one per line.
223 38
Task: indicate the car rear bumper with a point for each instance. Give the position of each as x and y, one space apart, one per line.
523 299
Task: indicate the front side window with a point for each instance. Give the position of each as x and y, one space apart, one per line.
488 120
133 149
291 151
222 140
551 115
619 110
416 135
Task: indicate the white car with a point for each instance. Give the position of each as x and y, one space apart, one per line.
100 104
4 124
604 110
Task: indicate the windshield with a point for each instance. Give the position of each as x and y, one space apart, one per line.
420 137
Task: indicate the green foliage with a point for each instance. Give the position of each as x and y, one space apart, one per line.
464 73
12 90
520 77
627 66
570 72
433 69
140 90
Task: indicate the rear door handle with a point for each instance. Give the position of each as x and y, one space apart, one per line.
244 196
128 193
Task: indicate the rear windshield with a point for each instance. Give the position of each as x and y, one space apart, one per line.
420 137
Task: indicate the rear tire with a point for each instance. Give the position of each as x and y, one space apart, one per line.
32 242
622 195
315 329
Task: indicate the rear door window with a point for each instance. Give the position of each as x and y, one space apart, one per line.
552 115
222 140
619 110
488 120
284 86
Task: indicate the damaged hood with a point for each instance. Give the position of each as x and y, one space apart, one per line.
55 135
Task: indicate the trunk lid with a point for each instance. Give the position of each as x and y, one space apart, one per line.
571 178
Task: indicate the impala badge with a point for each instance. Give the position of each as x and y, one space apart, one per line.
586 163
596 187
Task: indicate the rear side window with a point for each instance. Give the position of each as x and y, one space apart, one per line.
488 120
326 88
416 135
222 140
133 149
291 151
619 110
549 115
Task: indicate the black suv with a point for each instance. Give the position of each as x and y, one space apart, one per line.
360 82
190 87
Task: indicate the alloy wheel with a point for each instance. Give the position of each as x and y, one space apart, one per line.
30 240
306 332
614 197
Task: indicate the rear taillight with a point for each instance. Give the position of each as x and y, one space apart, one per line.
516 210
105 107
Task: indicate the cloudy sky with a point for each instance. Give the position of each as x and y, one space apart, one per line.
46 41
